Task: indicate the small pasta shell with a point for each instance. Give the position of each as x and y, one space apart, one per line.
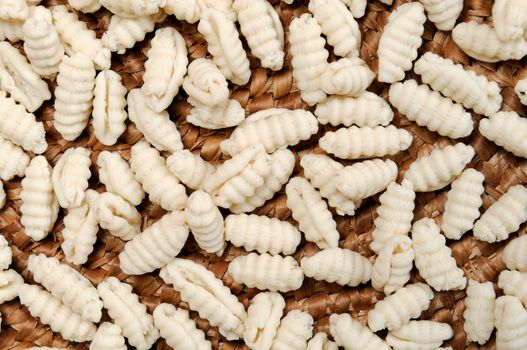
294 331
70 177
513 283
515 254
511 324
205 84
221 116
190 168
479 311
263 319
13 160
416 334
347 76
443 13
10 283
118 216
351 334
108 337
365 179
508 18
506 129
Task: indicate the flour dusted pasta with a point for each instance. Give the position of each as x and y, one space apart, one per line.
221 116
14 9
263 30
429 109
132 9
156 127
393 264
66 284
205 222
521 90
128 313
364 179
151 171
274 128
515 254
109 104
108 337
399 308
5 254
51 311
294 331
13 160
462 204
321 342
85 6
179 331
357 7
70 176
513 283
263 320
506 129
443 13
118 216
503 217
508 18
207 295
74 95
420 335
205 84
271 272
39 206
347 76
11 30
309 57
184 10
190 168
438 169
353 335
116 175
511 324
312 214
10 283
479 311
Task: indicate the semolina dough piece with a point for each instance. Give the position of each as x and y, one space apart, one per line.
515 254
312 214
207 295
514 283
11 30
132 9
85 6
128 313
118 216
221 116
399 41
443 13
5 253
508 17
503 217
506 129
294 331
429 109
353 335
10 283
156 246
420 335
321 342
13 160
39 206
357 7
511 324
479 311
14 10
438 169
184 10
521 90
190 168
347 76
108 337
205 84
70 176
263 320
178 329
391 270
267 272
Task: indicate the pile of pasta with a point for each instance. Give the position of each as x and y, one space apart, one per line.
215 204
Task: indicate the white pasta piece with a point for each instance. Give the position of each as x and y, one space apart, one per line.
515 254
394 215
131 8
347 76
429 109
178 329
282 166
479 311
225 6
263 319
462 204
271 272
165 68
399 308
85 6
438 169
41 43
5 253
261 233
14 9
461 85
190 168
205 221
506 129
118 216
10 283
366 142
521 90
225 46
514 283
321 342
433 258
80 230
77 38
39 206
123 33
205 84
508 17
342 266
207 295
364 179
503 217
353 335
294 331
392 266
2 199
420 335
221 116
11 30
19 80
321 170
273 128
263 30
511 324
116 175
312 213
66 284
399 41
469 35
366 109
156 127
74 95
151 171
309 57
128 313
357 7
21 127
156 246
184 10
338 25
443 14
70 176
13 160
51 311
108 337
109 104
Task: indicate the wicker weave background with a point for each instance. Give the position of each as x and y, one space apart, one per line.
267 89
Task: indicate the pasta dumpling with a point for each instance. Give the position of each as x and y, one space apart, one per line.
13 160
190 168
205 84
511 324
14 9
118 216
85 6
321 342
347 76
479 311
513 283
263 320
420 335
294 331
444 13
508 17
365 179
130 8
221 116
11 30
506 129
515 254
10 283
108 337
70 176
353 335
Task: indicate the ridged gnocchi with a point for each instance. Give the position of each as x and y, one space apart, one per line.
190 168
263 319
11 30
506 129
347 76
508 19
443 13
353 335
205 84
294 331
13 160
14 9
118 216
479 311
10 283
393 264
132 9
513 283
70 176
364 179
511 324
320 341
515 254
108 337
221 116
85 6
420 335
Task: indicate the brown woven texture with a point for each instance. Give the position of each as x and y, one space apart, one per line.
268 89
